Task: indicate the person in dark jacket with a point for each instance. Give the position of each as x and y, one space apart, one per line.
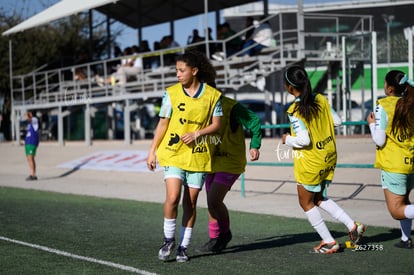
31 143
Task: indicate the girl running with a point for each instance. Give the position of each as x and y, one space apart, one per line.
392 129
313 141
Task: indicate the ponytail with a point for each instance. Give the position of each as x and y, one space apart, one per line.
297 77
403 120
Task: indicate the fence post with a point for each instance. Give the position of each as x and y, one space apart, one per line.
242 185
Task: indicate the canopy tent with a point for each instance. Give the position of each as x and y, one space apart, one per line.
133 13
59 10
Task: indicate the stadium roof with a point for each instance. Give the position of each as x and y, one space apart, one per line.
59 10
400 10
136 14
378 9
133 13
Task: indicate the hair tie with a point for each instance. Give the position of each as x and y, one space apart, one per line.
410 82
290 82
405 80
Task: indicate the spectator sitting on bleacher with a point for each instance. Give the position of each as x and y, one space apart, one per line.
79 74
155 60
168 42
115 63
224 31
262 37
144 48
194 38
249 25
131 66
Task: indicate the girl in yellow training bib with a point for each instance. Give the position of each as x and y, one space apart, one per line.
391 129
313 140
190 112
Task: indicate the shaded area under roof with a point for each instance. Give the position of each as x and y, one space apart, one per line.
133 13
143 13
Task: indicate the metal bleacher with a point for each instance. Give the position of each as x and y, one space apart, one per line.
60 90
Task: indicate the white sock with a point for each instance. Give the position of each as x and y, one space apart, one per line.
185 236
406 229
317 222
337 213
409 211
169 228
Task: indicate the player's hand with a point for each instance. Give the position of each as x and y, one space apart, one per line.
371 118
190 137
254 154
151 162
284 136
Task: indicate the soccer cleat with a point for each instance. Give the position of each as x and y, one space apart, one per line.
165 250
181 254
356 233
208 246
222 241
326 248
408 244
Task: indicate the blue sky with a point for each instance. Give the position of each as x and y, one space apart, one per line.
183 28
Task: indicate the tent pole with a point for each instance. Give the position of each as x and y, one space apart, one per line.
374 68
206 30
410 53
11 90
108 36
90 34
301 30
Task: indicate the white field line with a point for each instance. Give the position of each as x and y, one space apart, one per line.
87 259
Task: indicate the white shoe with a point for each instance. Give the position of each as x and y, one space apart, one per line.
165 249
218 56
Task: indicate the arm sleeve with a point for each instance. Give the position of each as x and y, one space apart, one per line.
250 121
337 121
218 111
166 107
378 128
302 138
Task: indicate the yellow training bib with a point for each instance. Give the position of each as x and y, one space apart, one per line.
188 115
316 162
397 154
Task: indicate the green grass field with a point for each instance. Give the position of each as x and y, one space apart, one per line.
69 234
